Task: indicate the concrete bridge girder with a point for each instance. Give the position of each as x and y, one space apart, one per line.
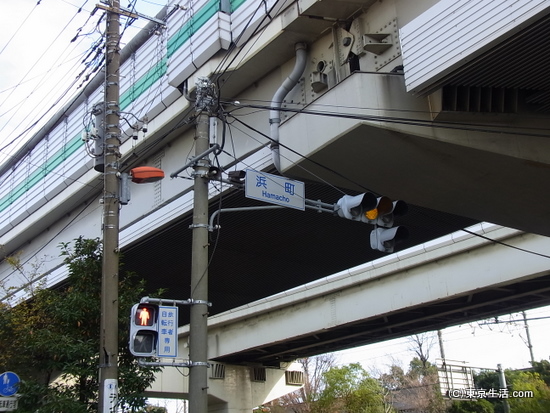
443 276
392 147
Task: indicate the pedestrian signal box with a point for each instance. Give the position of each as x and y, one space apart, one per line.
144 330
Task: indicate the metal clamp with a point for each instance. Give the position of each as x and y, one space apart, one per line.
188 364
193 302
199 364
193 226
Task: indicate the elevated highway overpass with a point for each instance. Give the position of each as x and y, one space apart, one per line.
458 278
386 103
461 277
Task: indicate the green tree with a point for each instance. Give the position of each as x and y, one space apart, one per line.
303 399
350 389
471 406
529 381
517 380
543 369
417 389
52 339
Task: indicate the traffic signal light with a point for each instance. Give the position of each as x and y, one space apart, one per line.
385 212
144 329
354 207
378 211
384 239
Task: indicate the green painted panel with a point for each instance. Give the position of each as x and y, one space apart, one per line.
235 4
33 179
143 84
192 26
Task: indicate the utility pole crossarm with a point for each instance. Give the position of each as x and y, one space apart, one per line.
117 10
129 13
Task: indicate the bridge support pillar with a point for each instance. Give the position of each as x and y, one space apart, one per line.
231 389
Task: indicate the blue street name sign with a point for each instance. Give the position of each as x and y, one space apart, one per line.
275 189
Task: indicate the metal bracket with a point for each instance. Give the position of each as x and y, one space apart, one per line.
160 301
192 161
193 226
310 204
188 364
193 302
199 364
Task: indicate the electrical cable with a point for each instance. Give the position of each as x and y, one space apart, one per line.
19 28
505 244
301 167
339 108
234 46
404 121
42 55
306 158
50 93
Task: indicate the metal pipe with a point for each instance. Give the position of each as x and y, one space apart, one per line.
315 205
274 114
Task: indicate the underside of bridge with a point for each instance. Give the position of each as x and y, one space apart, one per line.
481 304
256 254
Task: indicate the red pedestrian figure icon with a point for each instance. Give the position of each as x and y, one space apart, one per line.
144 316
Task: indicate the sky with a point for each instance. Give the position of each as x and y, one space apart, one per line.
482 344
39 66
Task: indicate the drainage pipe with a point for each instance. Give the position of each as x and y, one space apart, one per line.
274 114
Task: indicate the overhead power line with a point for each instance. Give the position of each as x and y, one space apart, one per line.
509 130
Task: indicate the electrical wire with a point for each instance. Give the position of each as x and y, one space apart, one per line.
407 121
42 55
20 27
242 47
339 108
336 173
55 66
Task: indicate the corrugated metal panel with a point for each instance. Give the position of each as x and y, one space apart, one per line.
517 64
146 90
146 67
201 44
195 38
452 33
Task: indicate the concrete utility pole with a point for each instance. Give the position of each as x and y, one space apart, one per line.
198 374
441 349
502 382
529 343
108 352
